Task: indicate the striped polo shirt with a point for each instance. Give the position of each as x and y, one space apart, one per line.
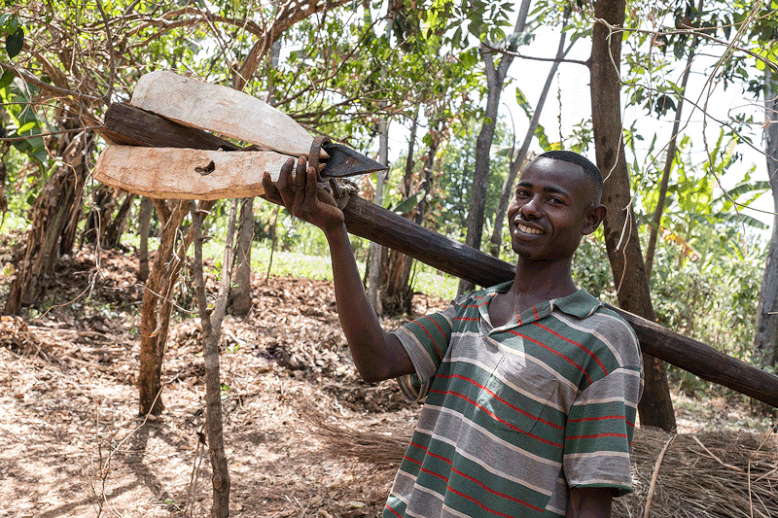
516 415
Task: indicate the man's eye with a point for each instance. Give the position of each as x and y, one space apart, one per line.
521 193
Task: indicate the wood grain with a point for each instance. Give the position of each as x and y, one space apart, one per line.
191 174
222 110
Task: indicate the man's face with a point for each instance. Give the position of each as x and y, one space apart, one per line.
552 208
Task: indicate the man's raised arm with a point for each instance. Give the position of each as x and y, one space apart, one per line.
377 355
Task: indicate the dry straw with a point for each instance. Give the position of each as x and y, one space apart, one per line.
706 475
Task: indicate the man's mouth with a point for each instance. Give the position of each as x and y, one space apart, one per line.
528 230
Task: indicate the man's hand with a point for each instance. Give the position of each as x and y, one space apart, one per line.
302 197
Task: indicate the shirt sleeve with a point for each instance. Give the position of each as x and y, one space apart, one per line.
426 341
599 431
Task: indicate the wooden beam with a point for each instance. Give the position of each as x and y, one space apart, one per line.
132 126
377 224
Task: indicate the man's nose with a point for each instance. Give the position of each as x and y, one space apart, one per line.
531 209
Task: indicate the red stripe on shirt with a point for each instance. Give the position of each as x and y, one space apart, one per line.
503 421
503 495
479 504
568 360
501 400
434 343
535 310
436 324
602 418
587 351
398 515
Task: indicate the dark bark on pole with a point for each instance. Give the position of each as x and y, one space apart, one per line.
211 331
495 79
144 224
621 233
240 294
766 336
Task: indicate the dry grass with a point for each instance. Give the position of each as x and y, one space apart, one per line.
706 475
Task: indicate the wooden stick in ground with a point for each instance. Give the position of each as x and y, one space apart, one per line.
211 325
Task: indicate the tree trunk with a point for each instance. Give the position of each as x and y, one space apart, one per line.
621 235
395 293
517 164
766 336
102 206
113 234
54 215
144 228
157 303
377 252
495 78
377 255
240 294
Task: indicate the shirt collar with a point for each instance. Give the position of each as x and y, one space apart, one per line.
579 304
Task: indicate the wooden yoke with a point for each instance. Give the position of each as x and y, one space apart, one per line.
370 221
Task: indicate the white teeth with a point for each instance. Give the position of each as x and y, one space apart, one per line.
529 230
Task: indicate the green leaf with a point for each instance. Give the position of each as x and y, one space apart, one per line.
6 79
27 127
14 43
408 204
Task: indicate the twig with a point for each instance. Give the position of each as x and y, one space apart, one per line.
715 457
656 474
750 458
109 44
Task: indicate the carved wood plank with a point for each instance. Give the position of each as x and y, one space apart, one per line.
192 174
222 110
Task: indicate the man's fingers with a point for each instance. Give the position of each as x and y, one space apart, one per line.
283 177
300 173
271 192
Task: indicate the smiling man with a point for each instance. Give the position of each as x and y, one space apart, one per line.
531 386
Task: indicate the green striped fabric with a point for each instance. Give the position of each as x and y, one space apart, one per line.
514 416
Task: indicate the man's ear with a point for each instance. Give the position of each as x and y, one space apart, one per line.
594 216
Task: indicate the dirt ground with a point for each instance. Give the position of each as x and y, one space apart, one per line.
72 443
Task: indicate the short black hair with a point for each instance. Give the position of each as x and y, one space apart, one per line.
592 171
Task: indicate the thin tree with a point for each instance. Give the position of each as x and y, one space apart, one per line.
495 79
518 162
621 233
766 336
211 323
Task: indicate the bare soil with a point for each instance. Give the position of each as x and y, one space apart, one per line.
72 442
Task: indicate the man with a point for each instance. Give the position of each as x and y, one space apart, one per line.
531 386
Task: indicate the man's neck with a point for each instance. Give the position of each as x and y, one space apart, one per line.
543 280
